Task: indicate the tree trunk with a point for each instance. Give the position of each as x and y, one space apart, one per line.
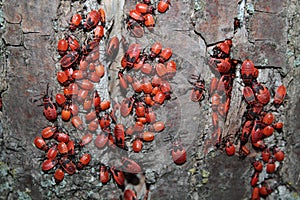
269 36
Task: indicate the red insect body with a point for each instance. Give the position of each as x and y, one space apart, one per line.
149 21
92 19
104 175
254 179
59 175
101 140
135 29
165 55
163 5
118 176
265 155
136 15
144 8
155 49
247 71
112 48
137 145
129 195
73 43
71 147
40 143
130 166
126 106
85 139
271 167
197 94
268 119
62 148
62 46
132 54
98 33
77 123
48 132
75 21
84 160
52 153
67 165
258 166
230 149
262 93
279 95
50 111
69 59
49 164
256 133
278 154
246 131
249 95
119 132
178 153
255 194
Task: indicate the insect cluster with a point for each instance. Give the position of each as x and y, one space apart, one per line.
148 75
220 88
259 124
80 68
144 80
143 15
258 121
80 104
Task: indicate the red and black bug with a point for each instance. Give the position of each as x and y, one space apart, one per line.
129 195
249 95
144 8
155 49
112 48
84 160
137 145
131 56
67 165
130 166
75 21
136 15
119 132
279 95
230 149
59 175
165 54
62 46
163 5
126 106
149 21
178 153
104 175
40 143
49 164
262 93
118 176
98 33
69 59
135 28
101 139
73 43
102 13
197 94
247 71
92 20
50 108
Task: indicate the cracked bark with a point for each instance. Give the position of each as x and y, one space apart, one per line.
32 29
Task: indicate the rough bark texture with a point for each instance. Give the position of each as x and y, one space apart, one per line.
269 36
